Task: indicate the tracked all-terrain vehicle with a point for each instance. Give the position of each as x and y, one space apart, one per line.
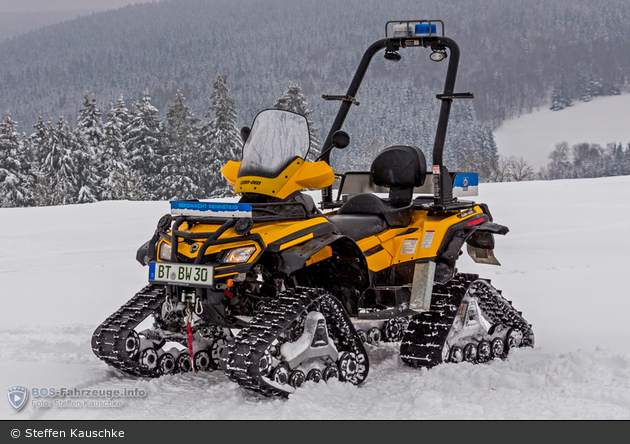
275 292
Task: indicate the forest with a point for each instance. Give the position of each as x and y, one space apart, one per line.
516 57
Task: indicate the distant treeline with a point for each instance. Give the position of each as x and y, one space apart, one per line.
584 160
514 56
132 155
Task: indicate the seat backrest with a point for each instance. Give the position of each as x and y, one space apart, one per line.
401 168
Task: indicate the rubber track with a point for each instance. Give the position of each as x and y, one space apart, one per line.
242 357
426 334
108 340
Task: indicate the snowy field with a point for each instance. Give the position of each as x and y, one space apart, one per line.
63 270
602 120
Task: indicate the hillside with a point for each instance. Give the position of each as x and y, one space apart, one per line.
512 56
566 273
602 121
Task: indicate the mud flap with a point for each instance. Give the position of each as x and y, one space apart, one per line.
482 255
422 286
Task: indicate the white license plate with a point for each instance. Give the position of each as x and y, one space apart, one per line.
181 274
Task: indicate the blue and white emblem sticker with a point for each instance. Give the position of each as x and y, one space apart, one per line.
210 209
466 184
17 396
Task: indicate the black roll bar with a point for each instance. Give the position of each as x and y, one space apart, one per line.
443 187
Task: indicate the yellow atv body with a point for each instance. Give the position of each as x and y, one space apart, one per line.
275 291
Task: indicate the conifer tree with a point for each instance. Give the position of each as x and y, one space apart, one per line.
181 170
119 181
14 186
220 140
560 97
88 145
58 184
143 139
293 100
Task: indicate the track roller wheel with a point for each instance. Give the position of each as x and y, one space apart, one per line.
281 374
132 344
264 365
484 351
166 364
297 378
514 337
330 372
215 352
183 363
394 329
498 348
374 336
446 353
202 361
348 366
314 375
457 354
470 352
149 358
363 336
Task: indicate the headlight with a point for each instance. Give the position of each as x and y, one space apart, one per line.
239 255
165 251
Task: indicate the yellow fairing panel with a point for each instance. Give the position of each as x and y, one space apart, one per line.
398 247
269 232
299 175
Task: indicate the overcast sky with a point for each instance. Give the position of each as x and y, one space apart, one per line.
63 5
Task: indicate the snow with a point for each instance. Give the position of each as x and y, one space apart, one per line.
533 136
64 269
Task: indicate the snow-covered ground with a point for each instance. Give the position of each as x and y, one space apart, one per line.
63 270
533 136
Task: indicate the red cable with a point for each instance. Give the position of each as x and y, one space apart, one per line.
190 346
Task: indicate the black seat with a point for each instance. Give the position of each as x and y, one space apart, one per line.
358 226
400 168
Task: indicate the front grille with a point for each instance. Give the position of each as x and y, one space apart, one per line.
208 258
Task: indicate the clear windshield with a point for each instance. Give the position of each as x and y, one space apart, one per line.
276 139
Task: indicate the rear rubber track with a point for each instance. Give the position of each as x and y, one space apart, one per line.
425 337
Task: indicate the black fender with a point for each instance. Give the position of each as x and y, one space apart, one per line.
476 231
342 269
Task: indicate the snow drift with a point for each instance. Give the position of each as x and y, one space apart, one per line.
63 270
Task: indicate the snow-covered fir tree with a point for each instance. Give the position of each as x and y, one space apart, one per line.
181 172
57 182
89 138
560 96
119 181
293 100
143 141
14 179
219 140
